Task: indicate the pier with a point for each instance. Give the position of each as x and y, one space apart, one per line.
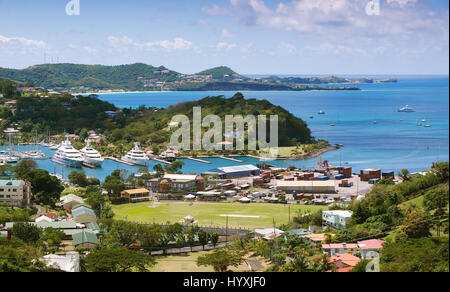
120 161
197 159
230 158
160 160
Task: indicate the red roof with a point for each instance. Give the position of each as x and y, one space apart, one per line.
347 259
344 270
51 215
371 244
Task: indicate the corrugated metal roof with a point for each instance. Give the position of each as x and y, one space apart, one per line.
70 198
234 169
56 224
82 210
84 236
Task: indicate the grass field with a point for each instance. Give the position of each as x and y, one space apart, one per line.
187 263
209 213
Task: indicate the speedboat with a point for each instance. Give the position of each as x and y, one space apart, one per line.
35 154
406 109
67 155
321 112
6 158
136 156
91 156
332 124
427 126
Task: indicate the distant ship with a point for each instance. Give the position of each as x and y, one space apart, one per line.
136 156
427 126
321 112
406 109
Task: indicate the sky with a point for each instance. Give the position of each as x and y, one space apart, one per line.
308 37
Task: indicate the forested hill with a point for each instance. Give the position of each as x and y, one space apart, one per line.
77 78
151 127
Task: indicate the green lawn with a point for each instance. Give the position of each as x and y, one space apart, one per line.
209 213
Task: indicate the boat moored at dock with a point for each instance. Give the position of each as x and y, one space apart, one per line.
68 155
136 156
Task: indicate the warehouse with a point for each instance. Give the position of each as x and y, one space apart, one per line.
235 171
314 187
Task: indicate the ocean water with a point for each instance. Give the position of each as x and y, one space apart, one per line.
391 144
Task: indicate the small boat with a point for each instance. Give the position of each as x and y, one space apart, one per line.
321 112
311 117
375 122
402 119
332 124
406 109
424 121
419 124
427 126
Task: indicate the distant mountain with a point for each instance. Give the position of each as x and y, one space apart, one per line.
141 77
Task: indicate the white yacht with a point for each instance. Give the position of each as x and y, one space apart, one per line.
136 156
68 155
91 156
53 146
7 158
35 154
406 109
169 155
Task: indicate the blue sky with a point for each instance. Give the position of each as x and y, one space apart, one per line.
251 36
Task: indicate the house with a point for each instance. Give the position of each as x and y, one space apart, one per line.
68 227
177 183
342 261
370 248
69 263
235 171
70 201
316 239
11 103
16 193
136 195
83 214
298 232
304 186
268 233
111 114
337 218
86 239
334 249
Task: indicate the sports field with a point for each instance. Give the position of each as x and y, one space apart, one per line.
255 215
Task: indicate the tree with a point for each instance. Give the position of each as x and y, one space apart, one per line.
214 238
78 178
159 170
114 186
203 238
404 174
118 259
174 167
122 233
436 200
23 167
416 225
96 200
191 238
26 232
441 169
221 259
46 188
52 236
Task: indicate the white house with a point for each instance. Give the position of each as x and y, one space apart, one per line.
268 233
43 219
336 218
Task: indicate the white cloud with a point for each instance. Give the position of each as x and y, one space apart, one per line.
226 34
124 43
20 41
226 46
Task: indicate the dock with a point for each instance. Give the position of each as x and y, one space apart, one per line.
120 161
160 160
197 159
230 158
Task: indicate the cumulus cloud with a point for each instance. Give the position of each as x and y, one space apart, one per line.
124 43
336 16
20 41
225 46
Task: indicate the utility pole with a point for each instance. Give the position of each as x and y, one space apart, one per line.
289 221
226 232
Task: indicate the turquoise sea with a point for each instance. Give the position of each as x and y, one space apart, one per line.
390 144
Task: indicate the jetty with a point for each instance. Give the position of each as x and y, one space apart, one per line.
197 159
230 158
161 160
119 160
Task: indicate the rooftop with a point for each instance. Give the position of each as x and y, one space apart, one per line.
371 244
136 191
11 183
340 213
